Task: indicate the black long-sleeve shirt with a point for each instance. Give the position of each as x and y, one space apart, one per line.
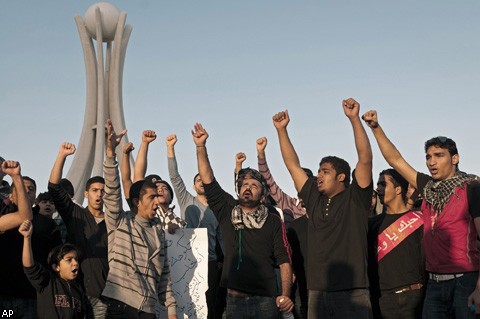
56 298
250 254
45 237
90 238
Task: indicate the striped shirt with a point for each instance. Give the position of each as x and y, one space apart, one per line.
139 273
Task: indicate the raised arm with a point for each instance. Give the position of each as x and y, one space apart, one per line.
261 145
200 137
125 170
280 121
63 202
37 275
140 169
171 140
24 212
363 169
26 229
184 198
112 198
239 159
284 201
66 149
389 151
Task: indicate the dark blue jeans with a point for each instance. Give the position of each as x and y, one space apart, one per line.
353 303
404 305
448 298
251 307
119 310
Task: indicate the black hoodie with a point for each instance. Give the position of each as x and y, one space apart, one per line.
56 297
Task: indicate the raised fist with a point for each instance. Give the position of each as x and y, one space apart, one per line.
371 119
261 144
148 136
281 119
171 140
350 107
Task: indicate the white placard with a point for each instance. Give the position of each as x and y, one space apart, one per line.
188 256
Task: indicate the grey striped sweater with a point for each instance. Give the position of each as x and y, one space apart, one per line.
134 278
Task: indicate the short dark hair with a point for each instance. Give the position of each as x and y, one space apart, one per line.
145 186
397 180
195 177
67 186
339 165
170 189
134 192
93 180
27 178
43 196
442 142
57 253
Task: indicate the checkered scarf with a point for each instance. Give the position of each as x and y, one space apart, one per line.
252 220
169 217
437 193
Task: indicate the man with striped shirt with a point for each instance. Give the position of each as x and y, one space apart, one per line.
139 276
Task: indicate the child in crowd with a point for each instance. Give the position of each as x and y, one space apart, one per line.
58 294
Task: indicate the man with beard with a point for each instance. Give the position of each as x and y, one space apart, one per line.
197 214
451 215
337 225
255 241
86 230
396 260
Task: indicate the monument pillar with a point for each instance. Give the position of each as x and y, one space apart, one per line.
104 26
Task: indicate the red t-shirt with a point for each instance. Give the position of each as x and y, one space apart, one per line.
450 240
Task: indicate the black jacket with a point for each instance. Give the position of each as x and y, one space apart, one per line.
56 298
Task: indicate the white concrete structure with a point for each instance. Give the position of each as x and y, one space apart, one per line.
104 72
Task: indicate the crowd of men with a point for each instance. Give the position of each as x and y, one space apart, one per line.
330 253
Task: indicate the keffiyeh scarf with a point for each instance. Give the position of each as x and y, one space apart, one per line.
252 220
437 193
169 217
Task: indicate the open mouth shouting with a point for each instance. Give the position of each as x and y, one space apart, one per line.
319 183
247 193
75 272
433 171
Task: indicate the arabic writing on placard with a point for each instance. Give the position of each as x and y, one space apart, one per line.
188 255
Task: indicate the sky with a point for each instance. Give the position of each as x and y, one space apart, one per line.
231 65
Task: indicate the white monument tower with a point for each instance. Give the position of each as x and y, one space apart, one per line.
104 25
